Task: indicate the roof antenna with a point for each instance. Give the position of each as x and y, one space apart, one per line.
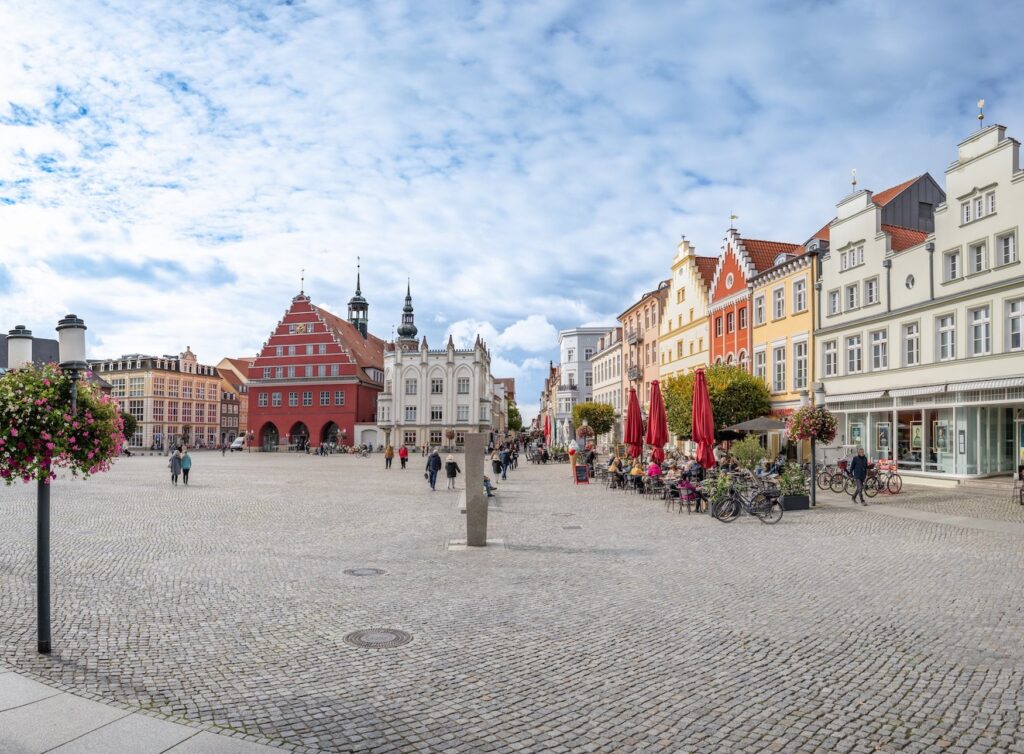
981 114
853 180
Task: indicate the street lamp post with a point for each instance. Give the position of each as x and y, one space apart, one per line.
71 334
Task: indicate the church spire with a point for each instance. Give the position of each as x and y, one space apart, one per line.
358 308
407 330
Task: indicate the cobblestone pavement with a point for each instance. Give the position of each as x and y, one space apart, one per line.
605 623
991 504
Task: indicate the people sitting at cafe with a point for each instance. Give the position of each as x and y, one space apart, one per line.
654 469
637 474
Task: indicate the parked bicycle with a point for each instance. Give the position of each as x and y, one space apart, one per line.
764 504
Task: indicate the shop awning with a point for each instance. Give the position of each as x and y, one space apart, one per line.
854 397
987 384
903 392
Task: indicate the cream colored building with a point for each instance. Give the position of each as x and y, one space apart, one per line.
921 336
607 368
683 339
171 397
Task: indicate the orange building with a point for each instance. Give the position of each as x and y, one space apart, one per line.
641 324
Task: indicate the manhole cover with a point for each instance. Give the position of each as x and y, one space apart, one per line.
574 526
378 638
364 571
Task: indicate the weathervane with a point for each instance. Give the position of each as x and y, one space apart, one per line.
981 114
302 281
853 180
732 220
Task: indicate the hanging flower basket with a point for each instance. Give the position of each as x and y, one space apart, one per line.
449 433
813 423
39 433
584 432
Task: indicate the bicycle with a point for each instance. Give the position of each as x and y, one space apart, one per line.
764 505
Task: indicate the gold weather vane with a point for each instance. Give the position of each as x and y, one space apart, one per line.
732 220
981 114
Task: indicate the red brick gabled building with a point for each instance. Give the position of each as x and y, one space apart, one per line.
316 379
729 303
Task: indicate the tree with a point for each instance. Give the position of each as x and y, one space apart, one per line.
515 419
736 396
130 425
748 452
600 416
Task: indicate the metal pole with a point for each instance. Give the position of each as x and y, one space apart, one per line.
814 477
43 564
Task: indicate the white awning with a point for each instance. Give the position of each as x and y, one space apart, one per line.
988 384
854 397
903 392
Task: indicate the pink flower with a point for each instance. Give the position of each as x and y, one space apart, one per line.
14 432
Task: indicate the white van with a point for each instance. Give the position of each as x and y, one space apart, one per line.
238 444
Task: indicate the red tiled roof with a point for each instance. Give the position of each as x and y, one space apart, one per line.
368 351
706 267
240 365
903 238
884 197
823 234
763 253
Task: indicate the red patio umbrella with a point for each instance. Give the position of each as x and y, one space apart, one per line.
633 432
547 429
657 424
702 421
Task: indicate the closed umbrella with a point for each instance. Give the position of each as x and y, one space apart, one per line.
657 424
633 435
547 429
702 427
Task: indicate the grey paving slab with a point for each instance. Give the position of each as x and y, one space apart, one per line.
50 722
209 743
900 508
136 733
16 690
605 623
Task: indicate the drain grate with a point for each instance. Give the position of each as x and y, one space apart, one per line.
378 638
364 571
573 526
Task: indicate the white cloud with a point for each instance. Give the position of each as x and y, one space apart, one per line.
528 165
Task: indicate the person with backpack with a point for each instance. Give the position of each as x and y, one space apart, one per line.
452 469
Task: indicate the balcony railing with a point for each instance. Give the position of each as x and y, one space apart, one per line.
634 336
634 373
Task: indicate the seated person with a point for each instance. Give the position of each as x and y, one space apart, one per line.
637 474
488 487
654 469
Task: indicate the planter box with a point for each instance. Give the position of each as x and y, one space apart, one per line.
795 502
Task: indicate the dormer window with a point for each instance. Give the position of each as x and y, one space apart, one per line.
782 259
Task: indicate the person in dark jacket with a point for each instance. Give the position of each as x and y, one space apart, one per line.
504 458
433 466
451 469
859 471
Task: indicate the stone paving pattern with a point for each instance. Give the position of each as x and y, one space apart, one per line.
992 504
224 604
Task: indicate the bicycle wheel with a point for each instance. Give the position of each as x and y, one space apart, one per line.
837 483
823 480
726 510
871 486
895 484
767 509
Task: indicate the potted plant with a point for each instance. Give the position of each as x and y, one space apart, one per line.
716 488
449 435
794 488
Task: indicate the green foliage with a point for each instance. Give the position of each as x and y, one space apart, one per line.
736 396
792 480
748 452
515 419
716 486
130 424
600 416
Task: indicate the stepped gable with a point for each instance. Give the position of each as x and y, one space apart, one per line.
706 267
368 352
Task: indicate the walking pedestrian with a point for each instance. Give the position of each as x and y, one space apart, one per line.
389 454
433 466
452 470
496 462
503 456
186 466
859 470
403 455
174 464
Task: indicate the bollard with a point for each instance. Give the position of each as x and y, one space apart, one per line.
476 500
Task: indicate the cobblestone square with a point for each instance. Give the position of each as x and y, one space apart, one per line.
604 624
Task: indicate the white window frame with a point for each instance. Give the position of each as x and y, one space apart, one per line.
1001 240
759 309
871 291
979 321
835 301
779 368
830 358
951 265
879 350
854 346
800 350
778 302
411 386
800 295
761 364
911 344
990 203
1015 325
945 337
410 413
965 212
976 257
853 289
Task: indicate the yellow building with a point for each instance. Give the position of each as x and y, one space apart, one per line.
783 313
684 339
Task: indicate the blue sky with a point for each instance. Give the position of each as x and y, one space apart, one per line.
167 168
